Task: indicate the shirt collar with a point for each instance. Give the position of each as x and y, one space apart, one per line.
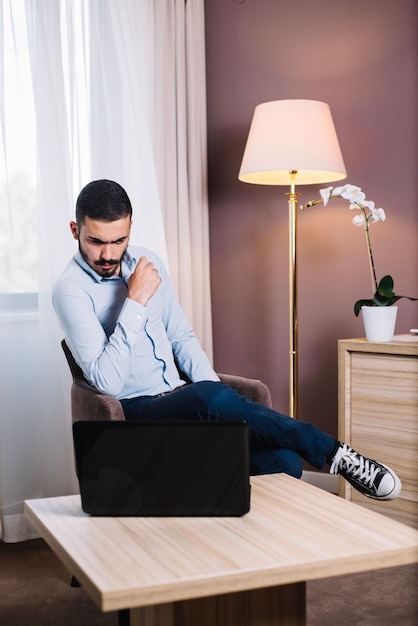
127 267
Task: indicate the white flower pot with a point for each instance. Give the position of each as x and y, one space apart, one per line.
379 322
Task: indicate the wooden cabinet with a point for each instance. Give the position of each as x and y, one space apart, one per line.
378 415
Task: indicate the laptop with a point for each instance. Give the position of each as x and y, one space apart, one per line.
163 468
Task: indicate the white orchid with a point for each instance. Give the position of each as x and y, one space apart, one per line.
375 214
359 220
365 218
325 195
350 192
357 201
383 292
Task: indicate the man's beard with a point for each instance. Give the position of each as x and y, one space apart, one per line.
100 266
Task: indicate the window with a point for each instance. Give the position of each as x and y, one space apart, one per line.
19 144
18 224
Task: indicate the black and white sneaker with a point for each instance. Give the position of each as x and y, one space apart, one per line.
371 478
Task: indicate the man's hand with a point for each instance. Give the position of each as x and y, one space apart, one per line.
144 281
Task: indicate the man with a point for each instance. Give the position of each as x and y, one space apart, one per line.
126 330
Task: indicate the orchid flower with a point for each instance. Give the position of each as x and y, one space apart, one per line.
325 195
350 192
383 292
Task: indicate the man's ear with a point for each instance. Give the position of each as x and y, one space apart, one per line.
74 230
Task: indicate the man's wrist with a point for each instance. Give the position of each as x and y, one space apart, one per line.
133 312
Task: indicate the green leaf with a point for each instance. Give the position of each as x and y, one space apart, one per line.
385 287
360 303
380 300
384 296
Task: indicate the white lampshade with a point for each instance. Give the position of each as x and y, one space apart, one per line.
292 135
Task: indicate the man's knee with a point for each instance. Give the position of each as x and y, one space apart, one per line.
216 400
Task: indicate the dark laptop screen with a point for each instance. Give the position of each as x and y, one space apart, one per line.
163 468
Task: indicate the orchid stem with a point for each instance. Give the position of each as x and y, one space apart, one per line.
371 261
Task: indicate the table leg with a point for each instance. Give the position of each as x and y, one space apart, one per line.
158 615
276 606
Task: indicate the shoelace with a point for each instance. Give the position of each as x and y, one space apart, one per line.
353 463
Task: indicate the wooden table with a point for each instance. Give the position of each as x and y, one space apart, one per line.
222 571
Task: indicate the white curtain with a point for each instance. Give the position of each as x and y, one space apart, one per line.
180 139
119 92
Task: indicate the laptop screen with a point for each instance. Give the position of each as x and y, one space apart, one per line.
163 468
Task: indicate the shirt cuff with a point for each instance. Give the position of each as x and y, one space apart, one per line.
133 315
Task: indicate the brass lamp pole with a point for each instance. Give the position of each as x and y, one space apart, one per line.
289 140
293 299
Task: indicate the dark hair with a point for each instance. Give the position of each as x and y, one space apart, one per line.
102 200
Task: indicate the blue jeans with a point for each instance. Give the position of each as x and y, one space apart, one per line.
278 443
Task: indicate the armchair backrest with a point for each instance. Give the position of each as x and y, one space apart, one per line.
76 370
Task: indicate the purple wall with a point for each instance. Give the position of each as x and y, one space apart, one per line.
361 58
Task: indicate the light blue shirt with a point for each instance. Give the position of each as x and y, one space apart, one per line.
126 349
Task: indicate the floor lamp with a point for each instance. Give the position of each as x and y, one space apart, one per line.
289 142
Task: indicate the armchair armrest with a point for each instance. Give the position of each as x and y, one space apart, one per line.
87 403
252 388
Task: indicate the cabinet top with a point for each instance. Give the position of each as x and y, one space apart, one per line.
401 344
